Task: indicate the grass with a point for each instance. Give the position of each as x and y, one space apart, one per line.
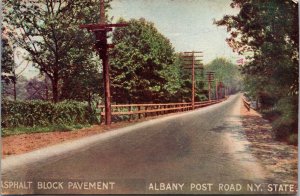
40 129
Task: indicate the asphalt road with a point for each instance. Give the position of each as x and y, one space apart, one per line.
196 148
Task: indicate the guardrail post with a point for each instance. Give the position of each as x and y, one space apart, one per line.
146 107
129 109
246 104
139 109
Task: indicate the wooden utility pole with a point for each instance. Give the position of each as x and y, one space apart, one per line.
190 61
221 87
210 79
209 90
100 30
217 92
102 12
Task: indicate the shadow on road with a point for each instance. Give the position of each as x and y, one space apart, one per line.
278 157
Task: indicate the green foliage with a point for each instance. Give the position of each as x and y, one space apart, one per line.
119 118
202 98
142 64
49 32
173 85
185 81
82 83
40 113
226 72
145 67
287 123
7 61
267 33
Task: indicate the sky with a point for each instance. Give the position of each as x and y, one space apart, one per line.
188 24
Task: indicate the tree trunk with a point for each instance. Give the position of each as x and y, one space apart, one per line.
14 86
46 88
15 90
90 99
55 88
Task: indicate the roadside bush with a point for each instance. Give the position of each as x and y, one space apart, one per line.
282 128
41 113
286 125
271 115
120 118
293 139
202 97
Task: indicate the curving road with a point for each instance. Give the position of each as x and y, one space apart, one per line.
193 152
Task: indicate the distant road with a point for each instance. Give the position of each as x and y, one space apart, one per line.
203 147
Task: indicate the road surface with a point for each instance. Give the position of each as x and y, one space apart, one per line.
191 152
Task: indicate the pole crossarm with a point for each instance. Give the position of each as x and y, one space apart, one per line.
186 56
196 65
192 68
92 27
193 52
189 60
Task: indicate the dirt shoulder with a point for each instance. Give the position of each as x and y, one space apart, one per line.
278 158
18 144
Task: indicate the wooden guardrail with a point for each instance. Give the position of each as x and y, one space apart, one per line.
246 104
146 110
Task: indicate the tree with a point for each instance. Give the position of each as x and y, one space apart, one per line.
82 83
7 61
225 72
38 88
10 90
268 31
173 86
142 64
184 93
49 31
8 74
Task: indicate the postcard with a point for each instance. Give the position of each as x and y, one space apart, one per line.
149 97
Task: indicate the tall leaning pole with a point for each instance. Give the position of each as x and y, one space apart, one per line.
100 31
